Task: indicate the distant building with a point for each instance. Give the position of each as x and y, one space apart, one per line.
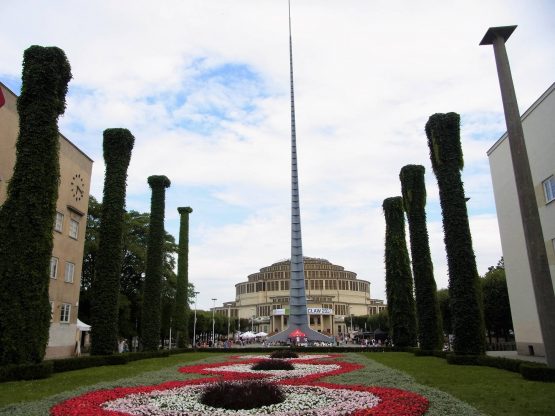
69 228
332 292
538 123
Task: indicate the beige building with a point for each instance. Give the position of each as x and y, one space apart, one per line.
69 229
332 292
538 123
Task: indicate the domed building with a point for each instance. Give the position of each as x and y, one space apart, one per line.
332 294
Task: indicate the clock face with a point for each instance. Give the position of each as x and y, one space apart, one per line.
77 187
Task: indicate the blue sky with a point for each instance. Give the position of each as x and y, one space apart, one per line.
204 87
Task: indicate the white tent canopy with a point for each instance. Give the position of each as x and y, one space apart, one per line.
248 334
83 327
261 334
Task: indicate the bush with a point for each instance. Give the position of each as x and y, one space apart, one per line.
463 359
502 363
537 372
143 355
284 354
242 395
274 364
430 353
26 371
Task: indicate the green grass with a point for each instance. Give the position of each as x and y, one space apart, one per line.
492 391
22 391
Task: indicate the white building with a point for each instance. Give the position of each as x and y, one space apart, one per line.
538 123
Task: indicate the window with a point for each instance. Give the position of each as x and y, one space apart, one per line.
65 312
53 267
73 229
59 222
549 188
70 269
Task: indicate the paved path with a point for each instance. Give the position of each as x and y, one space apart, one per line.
514 356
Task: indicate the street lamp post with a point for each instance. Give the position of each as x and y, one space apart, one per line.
252 322
213 320
351 314
228 320
195 323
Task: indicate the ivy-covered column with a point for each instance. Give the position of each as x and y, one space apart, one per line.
398 278
181 310
27 215
443 132
154 264
430 333
117 146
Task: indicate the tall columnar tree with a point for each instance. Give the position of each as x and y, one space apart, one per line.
27 216
118 144
398 278
154 264
181 309
443 132
430 333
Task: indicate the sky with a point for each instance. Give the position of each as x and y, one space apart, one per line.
203 85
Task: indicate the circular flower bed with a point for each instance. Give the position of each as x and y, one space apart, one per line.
303 395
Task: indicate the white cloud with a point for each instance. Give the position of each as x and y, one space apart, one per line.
368 75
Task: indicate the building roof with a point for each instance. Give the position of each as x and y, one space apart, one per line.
523 117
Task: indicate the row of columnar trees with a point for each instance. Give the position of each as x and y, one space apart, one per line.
27 220
443 133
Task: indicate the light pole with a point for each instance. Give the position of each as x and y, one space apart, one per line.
213 320
351 315
195 323
252 322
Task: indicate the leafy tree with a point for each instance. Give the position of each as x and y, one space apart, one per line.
443 133
413 187
154 264
27 216
378 321
117 144
497 309
132 274
398 278
181 310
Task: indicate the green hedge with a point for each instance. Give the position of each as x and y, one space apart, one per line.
14 372
78 363
537 372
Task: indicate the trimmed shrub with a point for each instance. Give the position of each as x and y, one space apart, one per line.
430 333
284 354
537 372
118 144
181 309
15 372
462 359
27 215
242 395
398 277
274 364
151 316
430 353
443 133
501 363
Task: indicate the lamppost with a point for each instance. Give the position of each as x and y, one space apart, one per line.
213 320
195 323
252 322
351 314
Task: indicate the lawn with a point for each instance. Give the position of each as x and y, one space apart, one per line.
492 391
451 390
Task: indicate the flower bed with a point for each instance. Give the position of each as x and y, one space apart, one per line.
303 394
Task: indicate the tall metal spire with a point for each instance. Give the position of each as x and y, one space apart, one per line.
298 316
